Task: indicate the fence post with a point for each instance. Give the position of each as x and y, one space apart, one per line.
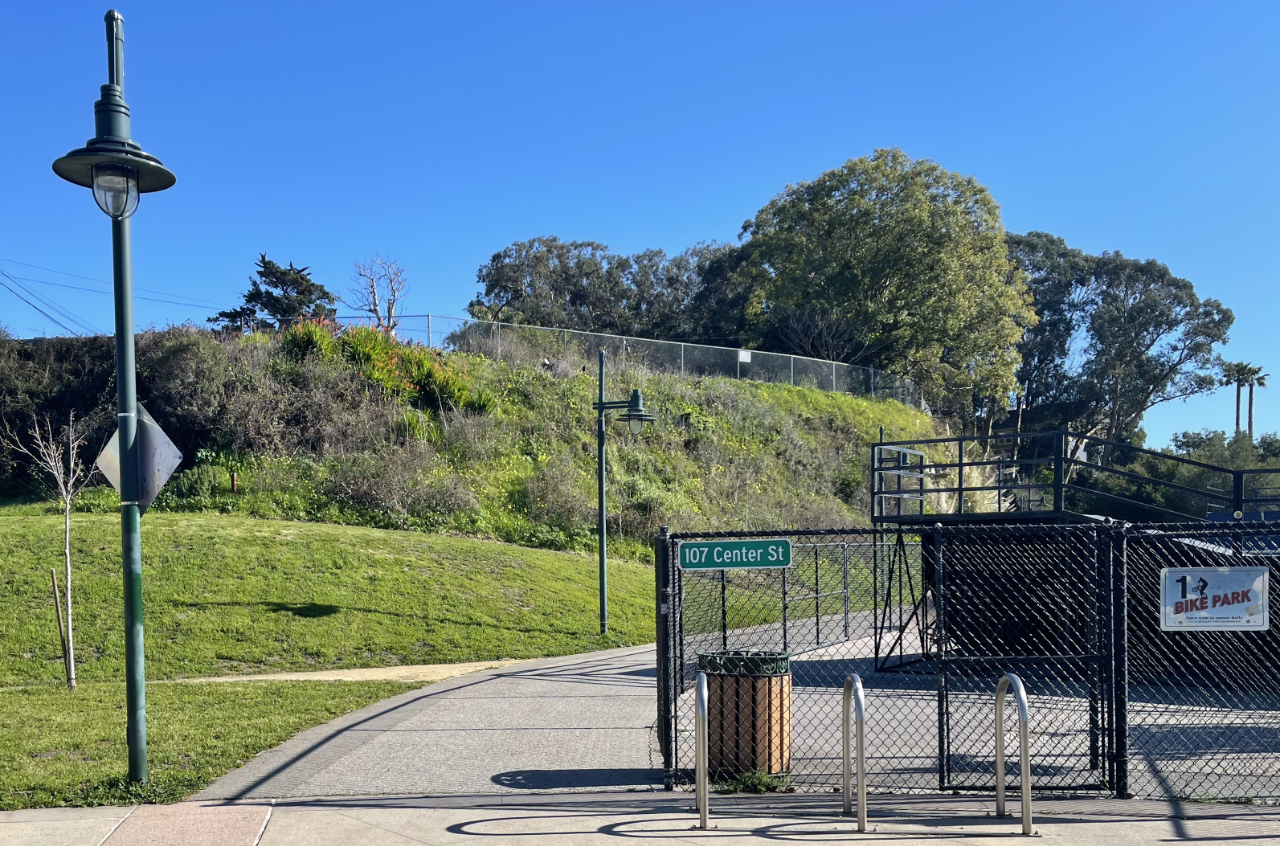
1237 494
960 480
499 342
833 377
662 646
429 343
845 553
793 370
724 609
682 359
784 610
1059 456
817 597
939 602
1118 550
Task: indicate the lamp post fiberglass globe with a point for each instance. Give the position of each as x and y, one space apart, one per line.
119 172
636 417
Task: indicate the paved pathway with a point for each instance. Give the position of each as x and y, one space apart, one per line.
577 723
591 819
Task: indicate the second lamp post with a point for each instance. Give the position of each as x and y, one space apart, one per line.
636 418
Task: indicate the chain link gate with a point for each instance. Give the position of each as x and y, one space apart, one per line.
931 619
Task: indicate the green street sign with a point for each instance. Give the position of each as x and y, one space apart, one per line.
734 554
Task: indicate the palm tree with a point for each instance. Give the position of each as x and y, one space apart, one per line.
1236 373
1256 378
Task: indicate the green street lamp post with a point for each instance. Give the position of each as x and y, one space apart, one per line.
118 172
636 417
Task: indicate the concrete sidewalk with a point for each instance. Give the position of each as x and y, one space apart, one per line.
575 723
598 818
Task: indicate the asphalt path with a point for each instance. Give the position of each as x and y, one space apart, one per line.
580 723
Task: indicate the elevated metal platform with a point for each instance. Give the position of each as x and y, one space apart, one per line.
1056 478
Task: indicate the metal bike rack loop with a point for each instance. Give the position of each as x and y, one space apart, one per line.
1008 681
855 701
700 741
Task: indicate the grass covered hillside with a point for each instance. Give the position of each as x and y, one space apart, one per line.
227 594
354 428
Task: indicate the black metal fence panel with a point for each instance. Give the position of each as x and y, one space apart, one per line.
931 618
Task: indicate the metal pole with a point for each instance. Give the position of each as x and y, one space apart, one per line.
1007 681
1120 658
600 469
845 553
724 609
700 763
130 515
1059 454
430 343
855 702
784 611
817 597
662 646
682 359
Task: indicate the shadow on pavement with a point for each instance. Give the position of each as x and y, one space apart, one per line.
568 779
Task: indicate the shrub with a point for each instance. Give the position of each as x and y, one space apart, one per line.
413 425
311 337
555 495
200 482
442 496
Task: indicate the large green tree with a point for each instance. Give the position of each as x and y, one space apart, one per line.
581 285
1117 336
277 297
890 262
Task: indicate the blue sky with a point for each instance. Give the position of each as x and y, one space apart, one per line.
438 133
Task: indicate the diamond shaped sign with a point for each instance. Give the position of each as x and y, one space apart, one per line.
157 459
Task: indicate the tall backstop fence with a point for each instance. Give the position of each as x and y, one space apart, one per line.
567 350
1146 650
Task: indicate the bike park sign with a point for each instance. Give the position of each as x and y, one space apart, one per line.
734 554
1222 599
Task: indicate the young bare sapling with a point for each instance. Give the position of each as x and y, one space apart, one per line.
57 465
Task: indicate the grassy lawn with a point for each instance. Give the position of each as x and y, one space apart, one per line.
231 594
63 748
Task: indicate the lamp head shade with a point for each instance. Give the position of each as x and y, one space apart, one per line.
636 416
106 160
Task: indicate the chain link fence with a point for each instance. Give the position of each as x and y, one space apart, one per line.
566 351
930 620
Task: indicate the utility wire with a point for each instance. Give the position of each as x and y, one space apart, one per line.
105 282
37 308
108 293
48 303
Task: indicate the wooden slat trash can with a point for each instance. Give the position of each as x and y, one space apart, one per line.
749 712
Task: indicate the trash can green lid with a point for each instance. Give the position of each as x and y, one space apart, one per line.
745 662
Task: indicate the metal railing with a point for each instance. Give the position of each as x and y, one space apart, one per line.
855 700
1010 681
568 349
1033 474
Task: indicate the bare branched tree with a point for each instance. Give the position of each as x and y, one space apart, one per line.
62 473
377 288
